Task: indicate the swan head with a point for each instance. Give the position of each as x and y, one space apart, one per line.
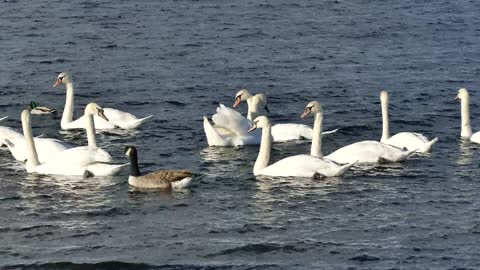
462 94
240 96
260 122
63 77
95 109
130 150
312 107
25 115
383 96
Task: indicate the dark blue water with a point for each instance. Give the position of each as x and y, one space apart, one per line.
177 60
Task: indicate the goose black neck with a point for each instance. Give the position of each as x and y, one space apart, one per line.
134 171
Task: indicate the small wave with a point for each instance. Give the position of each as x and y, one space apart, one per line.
364 258
259 249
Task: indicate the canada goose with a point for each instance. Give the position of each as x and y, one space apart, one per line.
164 179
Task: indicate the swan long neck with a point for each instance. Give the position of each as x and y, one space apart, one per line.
252 109
32 160
385 123
90 125
67 116
264 154
134 171
466 127
316 149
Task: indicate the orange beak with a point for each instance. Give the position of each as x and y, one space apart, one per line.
102 115
305 113
57 82
237 101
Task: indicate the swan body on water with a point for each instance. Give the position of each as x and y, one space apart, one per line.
299 165
73 161
118 119
407 140
280 132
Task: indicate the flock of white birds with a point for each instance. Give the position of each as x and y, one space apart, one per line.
55 157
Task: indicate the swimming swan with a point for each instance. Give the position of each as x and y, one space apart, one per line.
408 140
230 129
62 163
299 165
117 118
165 179
466 132
280 132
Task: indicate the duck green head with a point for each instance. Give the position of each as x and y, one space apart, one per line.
32 105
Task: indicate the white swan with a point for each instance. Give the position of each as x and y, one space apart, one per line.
165 179
408 140
280 132
230 129
117 118
62 163
83 155
466 131
369 152
15 141
47 147
299 165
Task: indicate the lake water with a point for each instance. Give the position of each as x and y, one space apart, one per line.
177 60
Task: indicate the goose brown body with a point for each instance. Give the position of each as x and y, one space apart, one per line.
165 179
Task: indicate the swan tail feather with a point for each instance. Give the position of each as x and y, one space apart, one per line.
134 124
213 137
345 168
330 131
406 154
428 146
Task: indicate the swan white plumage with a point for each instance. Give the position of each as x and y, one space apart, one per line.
117 118
466 128
46 147
15 141
280 132
369 152
62 163
408 140
299 165
230 129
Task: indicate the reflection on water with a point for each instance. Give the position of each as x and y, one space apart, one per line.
466 152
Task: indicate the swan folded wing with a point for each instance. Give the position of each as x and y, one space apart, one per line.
230 119
82 156
288 132
122 119
302 166
80 123
365 152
